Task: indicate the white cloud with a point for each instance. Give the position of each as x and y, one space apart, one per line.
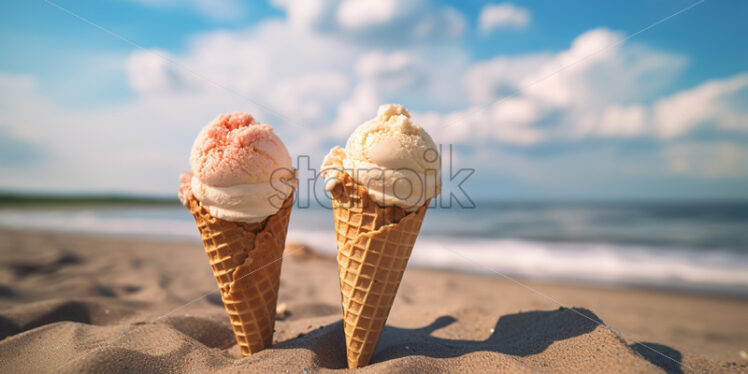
358 14
82 148
379 75
707 160
584 172
509 121
352 112
297 85
409 77
307 98
148 72
487 81
253 60
379 21
309 14
598 69
323 80
390 71
440 127
445 23
219 10
719 103
594 88
616 121
504 15
16 91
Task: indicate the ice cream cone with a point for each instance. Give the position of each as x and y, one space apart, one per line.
374 244
246 260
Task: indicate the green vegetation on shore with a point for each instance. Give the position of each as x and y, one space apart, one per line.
18 199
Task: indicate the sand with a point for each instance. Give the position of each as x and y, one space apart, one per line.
71 303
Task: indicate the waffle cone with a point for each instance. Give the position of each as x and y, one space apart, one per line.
374 244
246 260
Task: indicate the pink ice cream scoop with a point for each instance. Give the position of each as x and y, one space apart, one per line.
233 161
233 149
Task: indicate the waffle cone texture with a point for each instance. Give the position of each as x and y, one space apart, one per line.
374 245
246 261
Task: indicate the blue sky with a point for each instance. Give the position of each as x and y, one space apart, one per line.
542 99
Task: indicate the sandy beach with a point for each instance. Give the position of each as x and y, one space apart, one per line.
72 303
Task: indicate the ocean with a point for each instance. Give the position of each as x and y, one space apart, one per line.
684 245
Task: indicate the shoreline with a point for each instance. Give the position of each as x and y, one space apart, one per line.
736 291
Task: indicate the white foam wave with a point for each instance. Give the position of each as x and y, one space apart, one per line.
98 222
613 263
584 261
610 263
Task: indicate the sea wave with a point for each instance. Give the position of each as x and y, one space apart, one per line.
585 262
614 263
124 222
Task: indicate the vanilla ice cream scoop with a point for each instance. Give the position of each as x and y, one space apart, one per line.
392 157
241 171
